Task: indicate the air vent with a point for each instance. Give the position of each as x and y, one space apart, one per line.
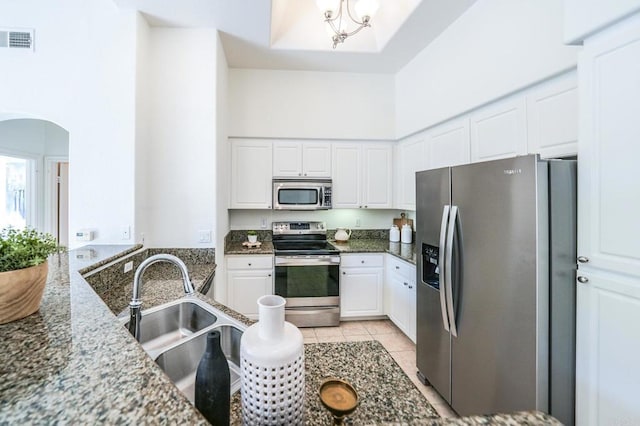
18 39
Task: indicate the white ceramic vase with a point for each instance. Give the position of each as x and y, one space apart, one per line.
272 368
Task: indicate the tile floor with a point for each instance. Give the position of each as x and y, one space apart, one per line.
401 348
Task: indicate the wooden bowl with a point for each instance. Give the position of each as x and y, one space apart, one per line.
339 397
21 292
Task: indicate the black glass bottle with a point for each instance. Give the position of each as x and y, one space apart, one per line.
212 393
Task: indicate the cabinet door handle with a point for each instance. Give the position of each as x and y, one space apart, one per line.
583 259
269 275
249 264
406 284
365 207
410 287
397 267
299 174
344 273
305 174
583 280
362 261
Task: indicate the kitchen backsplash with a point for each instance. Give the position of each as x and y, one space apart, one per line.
238 236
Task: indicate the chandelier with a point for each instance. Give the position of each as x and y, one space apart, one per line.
340 20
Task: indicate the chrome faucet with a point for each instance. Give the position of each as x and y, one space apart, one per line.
136 303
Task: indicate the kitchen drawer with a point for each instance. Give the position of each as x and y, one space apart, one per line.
249 262
400 267
361 260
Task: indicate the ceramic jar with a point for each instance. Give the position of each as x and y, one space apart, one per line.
394 234
407 234
272 368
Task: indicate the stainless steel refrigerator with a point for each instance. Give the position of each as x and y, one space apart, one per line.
496 292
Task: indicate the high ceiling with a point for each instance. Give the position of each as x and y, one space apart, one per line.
289 34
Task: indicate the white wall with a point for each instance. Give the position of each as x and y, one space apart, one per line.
305 104
584 17
81 77
34 137
143 142
222 170
495 48
180 156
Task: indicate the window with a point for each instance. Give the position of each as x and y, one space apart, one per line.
14 203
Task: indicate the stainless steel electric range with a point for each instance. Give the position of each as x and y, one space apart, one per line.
307 273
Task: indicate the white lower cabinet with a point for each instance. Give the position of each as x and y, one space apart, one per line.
607 346
361 285
248 279
401 292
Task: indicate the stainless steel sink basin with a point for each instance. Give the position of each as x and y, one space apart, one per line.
160 328
175 334
181 362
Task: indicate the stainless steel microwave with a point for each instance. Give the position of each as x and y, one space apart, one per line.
301 194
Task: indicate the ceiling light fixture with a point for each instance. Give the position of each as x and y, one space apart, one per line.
337 14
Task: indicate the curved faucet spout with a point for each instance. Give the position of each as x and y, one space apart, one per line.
136 301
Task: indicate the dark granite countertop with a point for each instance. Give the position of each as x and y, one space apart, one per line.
355 245
236 247
403 251
73 362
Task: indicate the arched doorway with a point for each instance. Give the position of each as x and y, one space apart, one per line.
34 185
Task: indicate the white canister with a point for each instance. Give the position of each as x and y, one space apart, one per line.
407 234
394 234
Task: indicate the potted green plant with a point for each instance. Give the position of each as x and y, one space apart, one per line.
23 271
252 236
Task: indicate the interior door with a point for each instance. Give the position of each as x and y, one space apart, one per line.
494 355
433 342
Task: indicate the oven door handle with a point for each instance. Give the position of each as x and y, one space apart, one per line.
284 261
312 309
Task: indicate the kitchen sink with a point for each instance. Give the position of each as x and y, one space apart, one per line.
165 325
181 362
174 335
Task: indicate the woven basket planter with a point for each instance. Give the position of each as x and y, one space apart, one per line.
21 292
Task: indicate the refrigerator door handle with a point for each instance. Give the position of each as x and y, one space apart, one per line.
441 265
453 217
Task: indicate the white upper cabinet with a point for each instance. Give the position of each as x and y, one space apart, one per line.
287 159
316 159
346 189
377 176
608 172
499 130
448 144
251 174
411 159
301 159
552 118
362 175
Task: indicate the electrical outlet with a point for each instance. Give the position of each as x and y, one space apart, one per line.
204 236
126 232
263 223
358 223
128 266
